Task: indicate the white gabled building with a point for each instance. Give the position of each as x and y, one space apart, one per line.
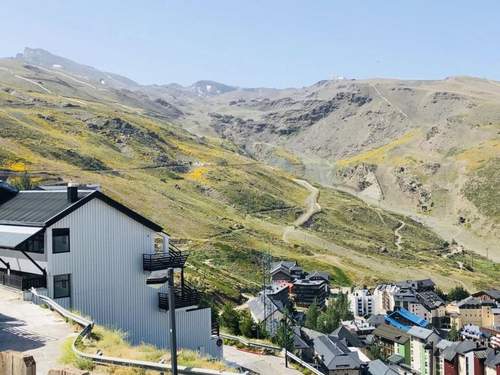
93 254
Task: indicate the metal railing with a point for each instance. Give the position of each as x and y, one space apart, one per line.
22 282
249 343
88 325
303 363
162 261
185 296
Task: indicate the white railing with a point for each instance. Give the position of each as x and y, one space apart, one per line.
250 343
303 363
104 360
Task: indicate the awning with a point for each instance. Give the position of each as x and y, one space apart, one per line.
13 235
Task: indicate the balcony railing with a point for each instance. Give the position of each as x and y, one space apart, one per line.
22 281
162 261
184 297
215 328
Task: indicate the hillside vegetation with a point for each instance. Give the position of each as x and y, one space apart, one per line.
226 208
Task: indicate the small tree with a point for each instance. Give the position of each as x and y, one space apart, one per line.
453 334
230 319
336 311
247 326
376 352
458 293
284 335
312 315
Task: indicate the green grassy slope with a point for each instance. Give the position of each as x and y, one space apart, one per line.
223 207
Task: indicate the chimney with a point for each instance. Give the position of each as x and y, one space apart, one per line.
72 192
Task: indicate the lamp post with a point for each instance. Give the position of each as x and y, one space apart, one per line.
173 333
156 280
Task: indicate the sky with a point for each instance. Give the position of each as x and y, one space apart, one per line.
257 43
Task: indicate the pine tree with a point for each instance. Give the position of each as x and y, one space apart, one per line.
230 319
312 315
453 334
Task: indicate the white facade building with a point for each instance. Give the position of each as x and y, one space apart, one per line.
93 255
383 298
361 302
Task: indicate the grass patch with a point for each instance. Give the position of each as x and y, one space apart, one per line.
113 343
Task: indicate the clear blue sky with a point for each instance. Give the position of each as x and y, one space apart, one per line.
262 43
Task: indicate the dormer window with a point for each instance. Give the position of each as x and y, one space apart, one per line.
60 240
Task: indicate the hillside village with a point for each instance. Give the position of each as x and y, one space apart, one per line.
344 227
404 327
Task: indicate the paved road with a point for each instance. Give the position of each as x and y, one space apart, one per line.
261 364
28 328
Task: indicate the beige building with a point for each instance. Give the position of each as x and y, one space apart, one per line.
472 310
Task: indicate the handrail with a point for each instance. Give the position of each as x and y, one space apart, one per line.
303 363
250 343
88 325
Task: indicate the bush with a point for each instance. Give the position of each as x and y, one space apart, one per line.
230 319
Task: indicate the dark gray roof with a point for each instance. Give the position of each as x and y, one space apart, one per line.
430 300
319 275
376 320
34 207
342 333
493 293
43 208
391 333
459 347
298 341
378 367
335 354
493 359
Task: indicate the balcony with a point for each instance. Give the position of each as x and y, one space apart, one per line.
162 261
22 280
184 297
215 328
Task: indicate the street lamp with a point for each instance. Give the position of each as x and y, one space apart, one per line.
156 280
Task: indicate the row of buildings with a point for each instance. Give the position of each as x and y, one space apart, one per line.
420 298
393 335
290 288
92 254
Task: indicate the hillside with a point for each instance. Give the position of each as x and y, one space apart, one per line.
212 196
429 149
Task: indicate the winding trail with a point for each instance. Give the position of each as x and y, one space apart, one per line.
399 238
311 204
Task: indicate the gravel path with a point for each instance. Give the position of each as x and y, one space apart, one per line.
28 328
261 364
311 204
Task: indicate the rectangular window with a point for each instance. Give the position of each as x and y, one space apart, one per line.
35 244
62 286
60 240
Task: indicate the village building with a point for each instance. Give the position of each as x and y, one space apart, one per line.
92 254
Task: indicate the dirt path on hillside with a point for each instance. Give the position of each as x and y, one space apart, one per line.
445 229
311 204
399 237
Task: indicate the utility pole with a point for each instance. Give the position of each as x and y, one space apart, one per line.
173 333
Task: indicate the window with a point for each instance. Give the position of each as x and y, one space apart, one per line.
35 244
62 286
60 240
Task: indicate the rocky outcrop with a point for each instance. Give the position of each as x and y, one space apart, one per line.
413 188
